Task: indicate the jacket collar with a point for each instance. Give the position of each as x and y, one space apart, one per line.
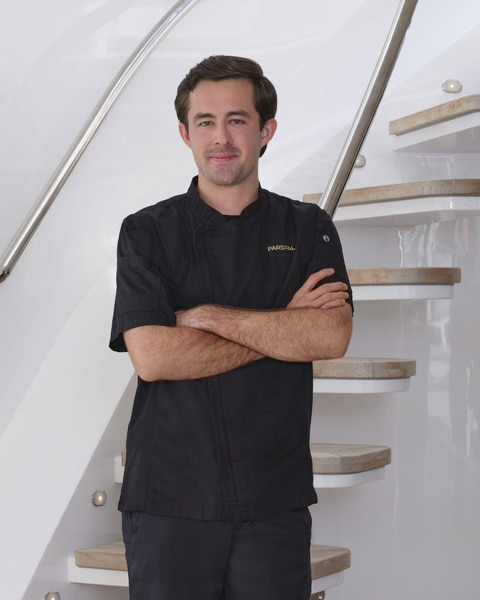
210 214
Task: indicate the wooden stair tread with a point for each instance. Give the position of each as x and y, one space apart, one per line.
325 560
104 556
405 276
404 191
348 458
436 114
351 367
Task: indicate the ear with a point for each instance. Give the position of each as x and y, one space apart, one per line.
184 134
268 131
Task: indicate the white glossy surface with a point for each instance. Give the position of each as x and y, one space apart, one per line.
409 213
328 582
360 386
118 469
96 576
442 137
60 385
401 292
347 479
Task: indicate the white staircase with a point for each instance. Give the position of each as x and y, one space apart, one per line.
339 465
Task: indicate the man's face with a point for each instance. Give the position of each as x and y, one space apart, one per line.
224 131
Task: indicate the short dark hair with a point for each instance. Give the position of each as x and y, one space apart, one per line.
220 67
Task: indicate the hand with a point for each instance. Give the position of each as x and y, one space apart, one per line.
195 317
327 295
184 317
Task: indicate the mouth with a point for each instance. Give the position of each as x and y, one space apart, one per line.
221 157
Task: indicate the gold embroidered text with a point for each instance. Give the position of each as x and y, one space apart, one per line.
281 247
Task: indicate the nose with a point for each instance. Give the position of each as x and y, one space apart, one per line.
222 134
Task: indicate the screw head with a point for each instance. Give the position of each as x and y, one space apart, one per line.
360 162
52 596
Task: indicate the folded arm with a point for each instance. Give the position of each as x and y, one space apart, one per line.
212 339
175 353
301 334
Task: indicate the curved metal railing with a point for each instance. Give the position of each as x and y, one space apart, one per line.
76 150
338 180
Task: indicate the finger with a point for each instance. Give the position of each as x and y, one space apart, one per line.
328 288
315 278
319 301
341 297
324 293
333 304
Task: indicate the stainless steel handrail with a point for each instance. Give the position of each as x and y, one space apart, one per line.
335 186
366 112
73 155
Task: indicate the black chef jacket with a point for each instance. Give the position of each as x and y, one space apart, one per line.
233 446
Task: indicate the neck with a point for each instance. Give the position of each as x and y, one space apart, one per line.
228 199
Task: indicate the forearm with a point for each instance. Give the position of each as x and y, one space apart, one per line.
176 353
300 334
209 340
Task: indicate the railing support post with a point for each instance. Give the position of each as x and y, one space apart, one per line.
368 107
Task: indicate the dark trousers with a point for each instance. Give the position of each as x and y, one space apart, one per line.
185 559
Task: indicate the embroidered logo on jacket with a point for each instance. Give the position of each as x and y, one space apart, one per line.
281 247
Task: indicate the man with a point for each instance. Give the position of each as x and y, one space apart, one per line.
225 295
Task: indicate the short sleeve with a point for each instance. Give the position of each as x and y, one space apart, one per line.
144 294
328 252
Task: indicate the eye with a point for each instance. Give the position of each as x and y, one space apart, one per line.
204 123
237 122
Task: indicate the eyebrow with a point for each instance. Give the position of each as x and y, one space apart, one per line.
230 113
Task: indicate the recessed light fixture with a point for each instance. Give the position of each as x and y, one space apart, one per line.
452 86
